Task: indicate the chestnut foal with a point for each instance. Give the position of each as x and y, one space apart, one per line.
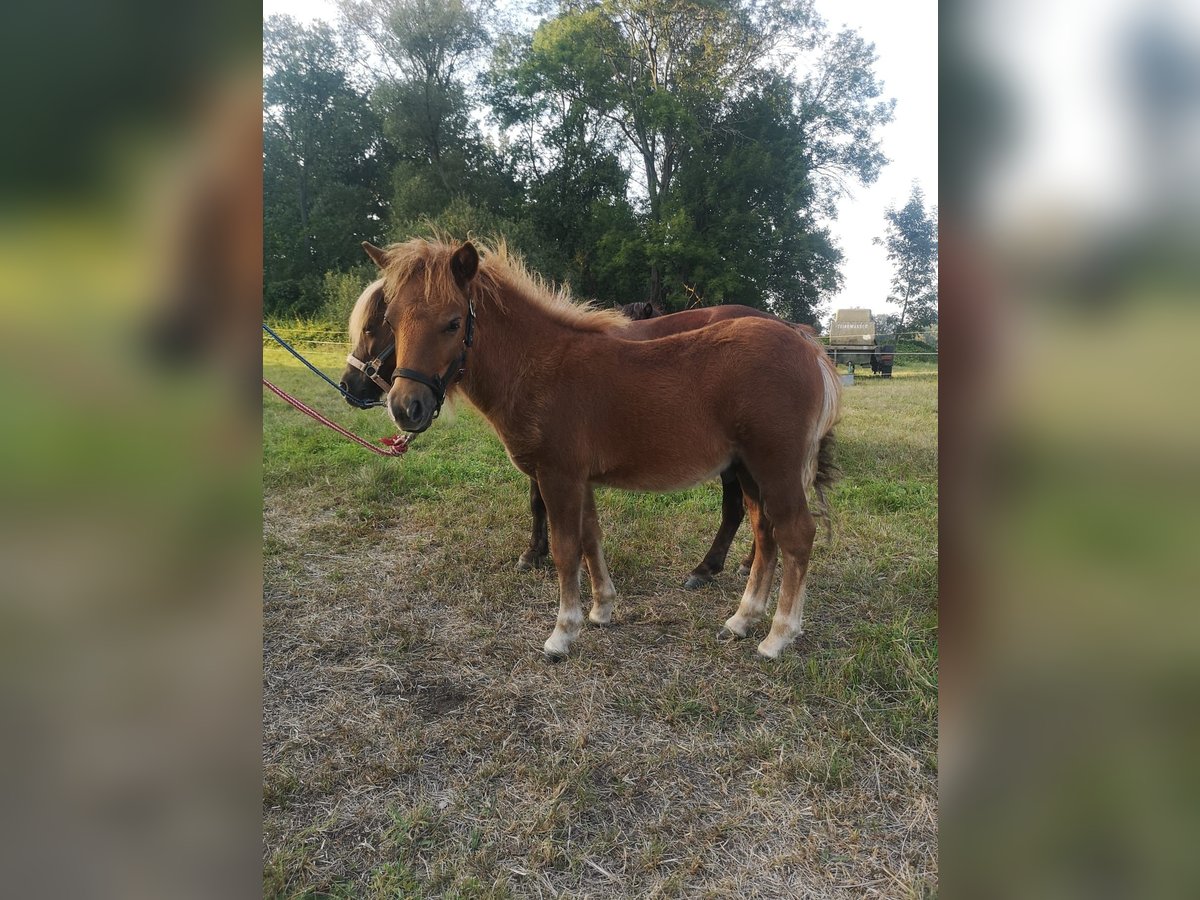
577 404
372 344
648 325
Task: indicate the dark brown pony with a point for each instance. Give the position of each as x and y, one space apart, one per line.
369 339
576 403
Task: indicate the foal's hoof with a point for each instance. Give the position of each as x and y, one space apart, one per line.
734 629
743 570
772 647
696 581
556 647
529 561
769 649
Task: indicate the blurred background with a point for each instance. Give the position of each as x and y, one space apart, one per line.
130 288
1070 276
130 266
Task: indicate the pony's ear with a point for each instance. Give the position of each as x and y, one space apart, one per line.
464 263
379 256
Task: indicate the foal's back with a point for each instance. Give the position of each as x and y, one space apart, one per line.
661 326
667 413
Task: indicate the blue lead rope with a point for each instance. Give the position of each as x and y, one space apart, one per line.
354 401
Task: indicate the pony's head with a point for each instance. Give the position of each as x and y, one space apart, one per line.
372 358
643 309
428 314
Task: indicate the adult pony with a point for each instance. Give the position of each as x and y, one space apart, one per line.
372 361
577 404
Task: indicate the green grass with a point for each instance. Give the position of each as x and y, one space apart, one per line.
417 745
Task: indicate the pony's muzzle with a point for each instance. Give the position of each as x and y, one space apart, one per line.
356 390
412 411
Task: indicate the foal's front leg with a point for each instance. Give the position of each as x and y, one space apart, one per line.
565 503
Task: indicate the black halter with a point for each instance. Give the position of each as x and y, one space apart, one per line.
440 384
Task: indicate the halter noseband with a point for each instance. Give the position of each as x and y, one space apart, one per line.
440 384
371 369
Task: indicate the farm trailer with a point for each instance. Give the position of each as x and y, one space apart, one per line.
852 342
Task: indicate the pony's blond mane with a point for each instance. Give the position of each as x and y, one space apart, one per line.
361 312
502 276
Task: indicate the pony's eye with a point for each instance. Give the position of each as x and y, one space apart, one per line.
453 326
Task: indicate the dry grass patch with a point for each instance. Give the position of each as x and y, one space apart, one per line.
417 745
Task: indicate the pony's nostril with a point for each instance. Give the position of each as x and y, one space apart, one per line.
414 411
342 385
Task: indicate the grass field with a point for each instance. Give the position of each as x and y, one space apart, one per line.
416 744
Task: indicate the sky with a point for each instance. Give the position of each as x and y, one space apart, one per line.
905 37
1081 148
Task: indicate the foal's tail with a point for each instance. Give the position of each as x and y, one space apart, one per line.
827 474
820 470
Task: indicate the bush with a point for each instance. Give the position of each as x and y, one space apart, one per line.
341 291
923 353
293 297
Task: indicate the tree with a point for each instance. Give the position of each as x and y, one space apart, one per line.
669 150
323 166
912 248
887 326
733 164
656 73
420 54
575 187
841 109
744 230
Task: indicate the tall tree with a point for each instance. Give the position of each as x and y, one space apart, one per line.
422 55
657 71
743 228
841 107
567 158
734 163
912 247
669 149
322 163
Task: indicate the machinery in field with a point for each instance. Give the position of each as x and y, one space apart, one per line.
852 342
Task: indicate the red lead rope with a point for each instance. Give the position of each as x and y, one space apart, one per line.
395 445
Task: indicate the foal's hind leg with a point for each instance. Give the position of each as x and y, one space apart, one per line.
762 574
603 592
795 531
538 539
732 512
